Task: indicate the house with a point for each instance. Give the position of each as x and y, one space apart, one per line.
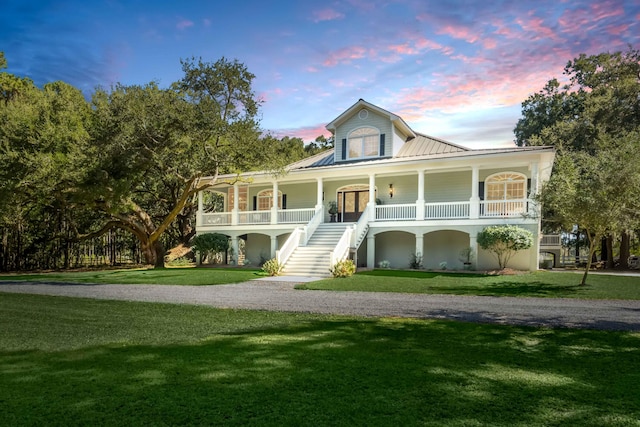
399 194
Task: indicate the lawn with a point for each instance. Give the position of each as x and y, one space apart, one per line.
538 284
162 276
70 361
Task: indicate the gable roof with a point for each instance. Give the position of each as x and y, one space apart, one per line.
395 119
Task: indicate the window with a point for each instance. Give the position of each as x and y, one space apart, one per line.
506 186
265 200
363 142
242 198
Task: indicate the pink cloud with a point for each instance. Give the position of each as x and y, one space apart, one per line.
537 26
307 133
344 56
458 32
326 15
184 24
616 30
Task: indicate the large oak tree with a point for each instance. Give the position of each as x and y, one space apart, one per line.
154 146
595 112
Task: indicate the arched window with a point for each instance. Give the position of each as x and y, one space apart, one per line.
506 186
363 142
265 200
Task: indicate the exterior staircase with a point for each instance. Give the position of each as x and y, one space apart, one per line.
314 259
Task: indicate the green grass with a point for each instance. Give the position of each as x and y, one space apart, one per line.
162 276
67 361
539 284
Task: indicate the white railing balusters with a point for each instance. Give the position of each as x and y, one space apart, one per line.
446 210
295 216
360 228
341 251
289 246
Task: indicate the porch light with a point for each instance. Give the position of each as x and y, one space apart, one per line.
390 191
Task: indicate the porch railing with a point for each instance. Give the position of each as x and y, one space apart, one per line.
446 210
341 251
312 225
503 208
289 246
395 212
254 217
295 216
360 229
218 218
550 240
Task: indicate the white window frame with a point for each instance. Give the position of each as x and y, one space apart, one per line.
504 179
266 196
362 139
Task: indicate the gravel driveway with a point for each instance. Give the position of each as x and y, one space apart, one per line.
280 296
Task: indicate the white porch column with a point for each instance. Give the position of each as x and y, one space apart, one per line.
236 202
420 200
372 198
274 246
534 260
274 205
473 243
200 210
320 192
371 251
419 244
474 201
235 248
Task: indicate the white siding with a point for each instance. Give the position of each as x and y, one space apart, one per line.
382 123
405 189
447 187
300 196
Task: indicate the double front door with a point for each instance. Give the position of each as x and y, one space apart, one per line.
351 204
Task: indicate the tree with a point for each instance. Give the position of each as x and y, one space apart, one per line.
597 191
210 243
155 149
596 109
504 241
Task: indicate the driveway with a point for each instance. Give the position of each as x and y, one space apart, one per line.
280 296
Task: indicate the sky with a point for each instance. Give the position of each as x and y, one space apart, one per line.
454 69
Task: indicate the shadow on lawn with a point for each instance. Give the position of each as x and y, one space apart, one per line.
532 289
341 372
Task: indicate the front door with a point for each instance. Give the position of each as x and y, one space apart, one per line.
351 204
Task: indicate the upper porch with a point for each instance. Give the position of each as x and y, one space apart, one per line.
471 194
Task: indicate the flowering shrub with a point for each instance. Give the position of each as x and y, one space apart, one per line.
443 265
272 267
344 268
384 264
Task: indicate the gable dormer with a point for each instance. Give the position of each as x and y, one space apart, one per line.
366 132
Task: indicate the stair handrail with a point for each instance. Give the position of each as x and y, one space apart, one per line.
341 251
289 246
360 228
312 225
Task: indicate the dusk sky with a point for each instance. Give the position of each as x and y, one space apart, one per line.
457 70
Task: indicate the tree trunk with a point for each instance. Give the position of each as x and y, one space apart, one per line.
158 249
609 246
592 251
625 252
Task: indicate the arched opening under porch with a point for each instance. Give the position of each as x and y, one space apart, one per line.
259 247
394 247
444 246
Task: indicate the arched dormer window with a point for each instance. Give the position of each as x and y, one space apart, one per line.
265 200
506 186
363 142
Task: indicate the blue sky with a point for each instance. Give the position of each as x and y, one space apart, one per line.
454 69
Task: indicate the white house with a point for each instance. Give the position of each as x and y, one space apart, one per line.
399 193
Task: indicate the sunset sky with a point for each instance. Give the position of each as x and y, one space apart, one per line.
457 70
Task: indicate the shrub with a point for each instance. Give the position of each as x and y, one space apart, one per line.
504 241
180 262
443 265
344 268
415 262
272 267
